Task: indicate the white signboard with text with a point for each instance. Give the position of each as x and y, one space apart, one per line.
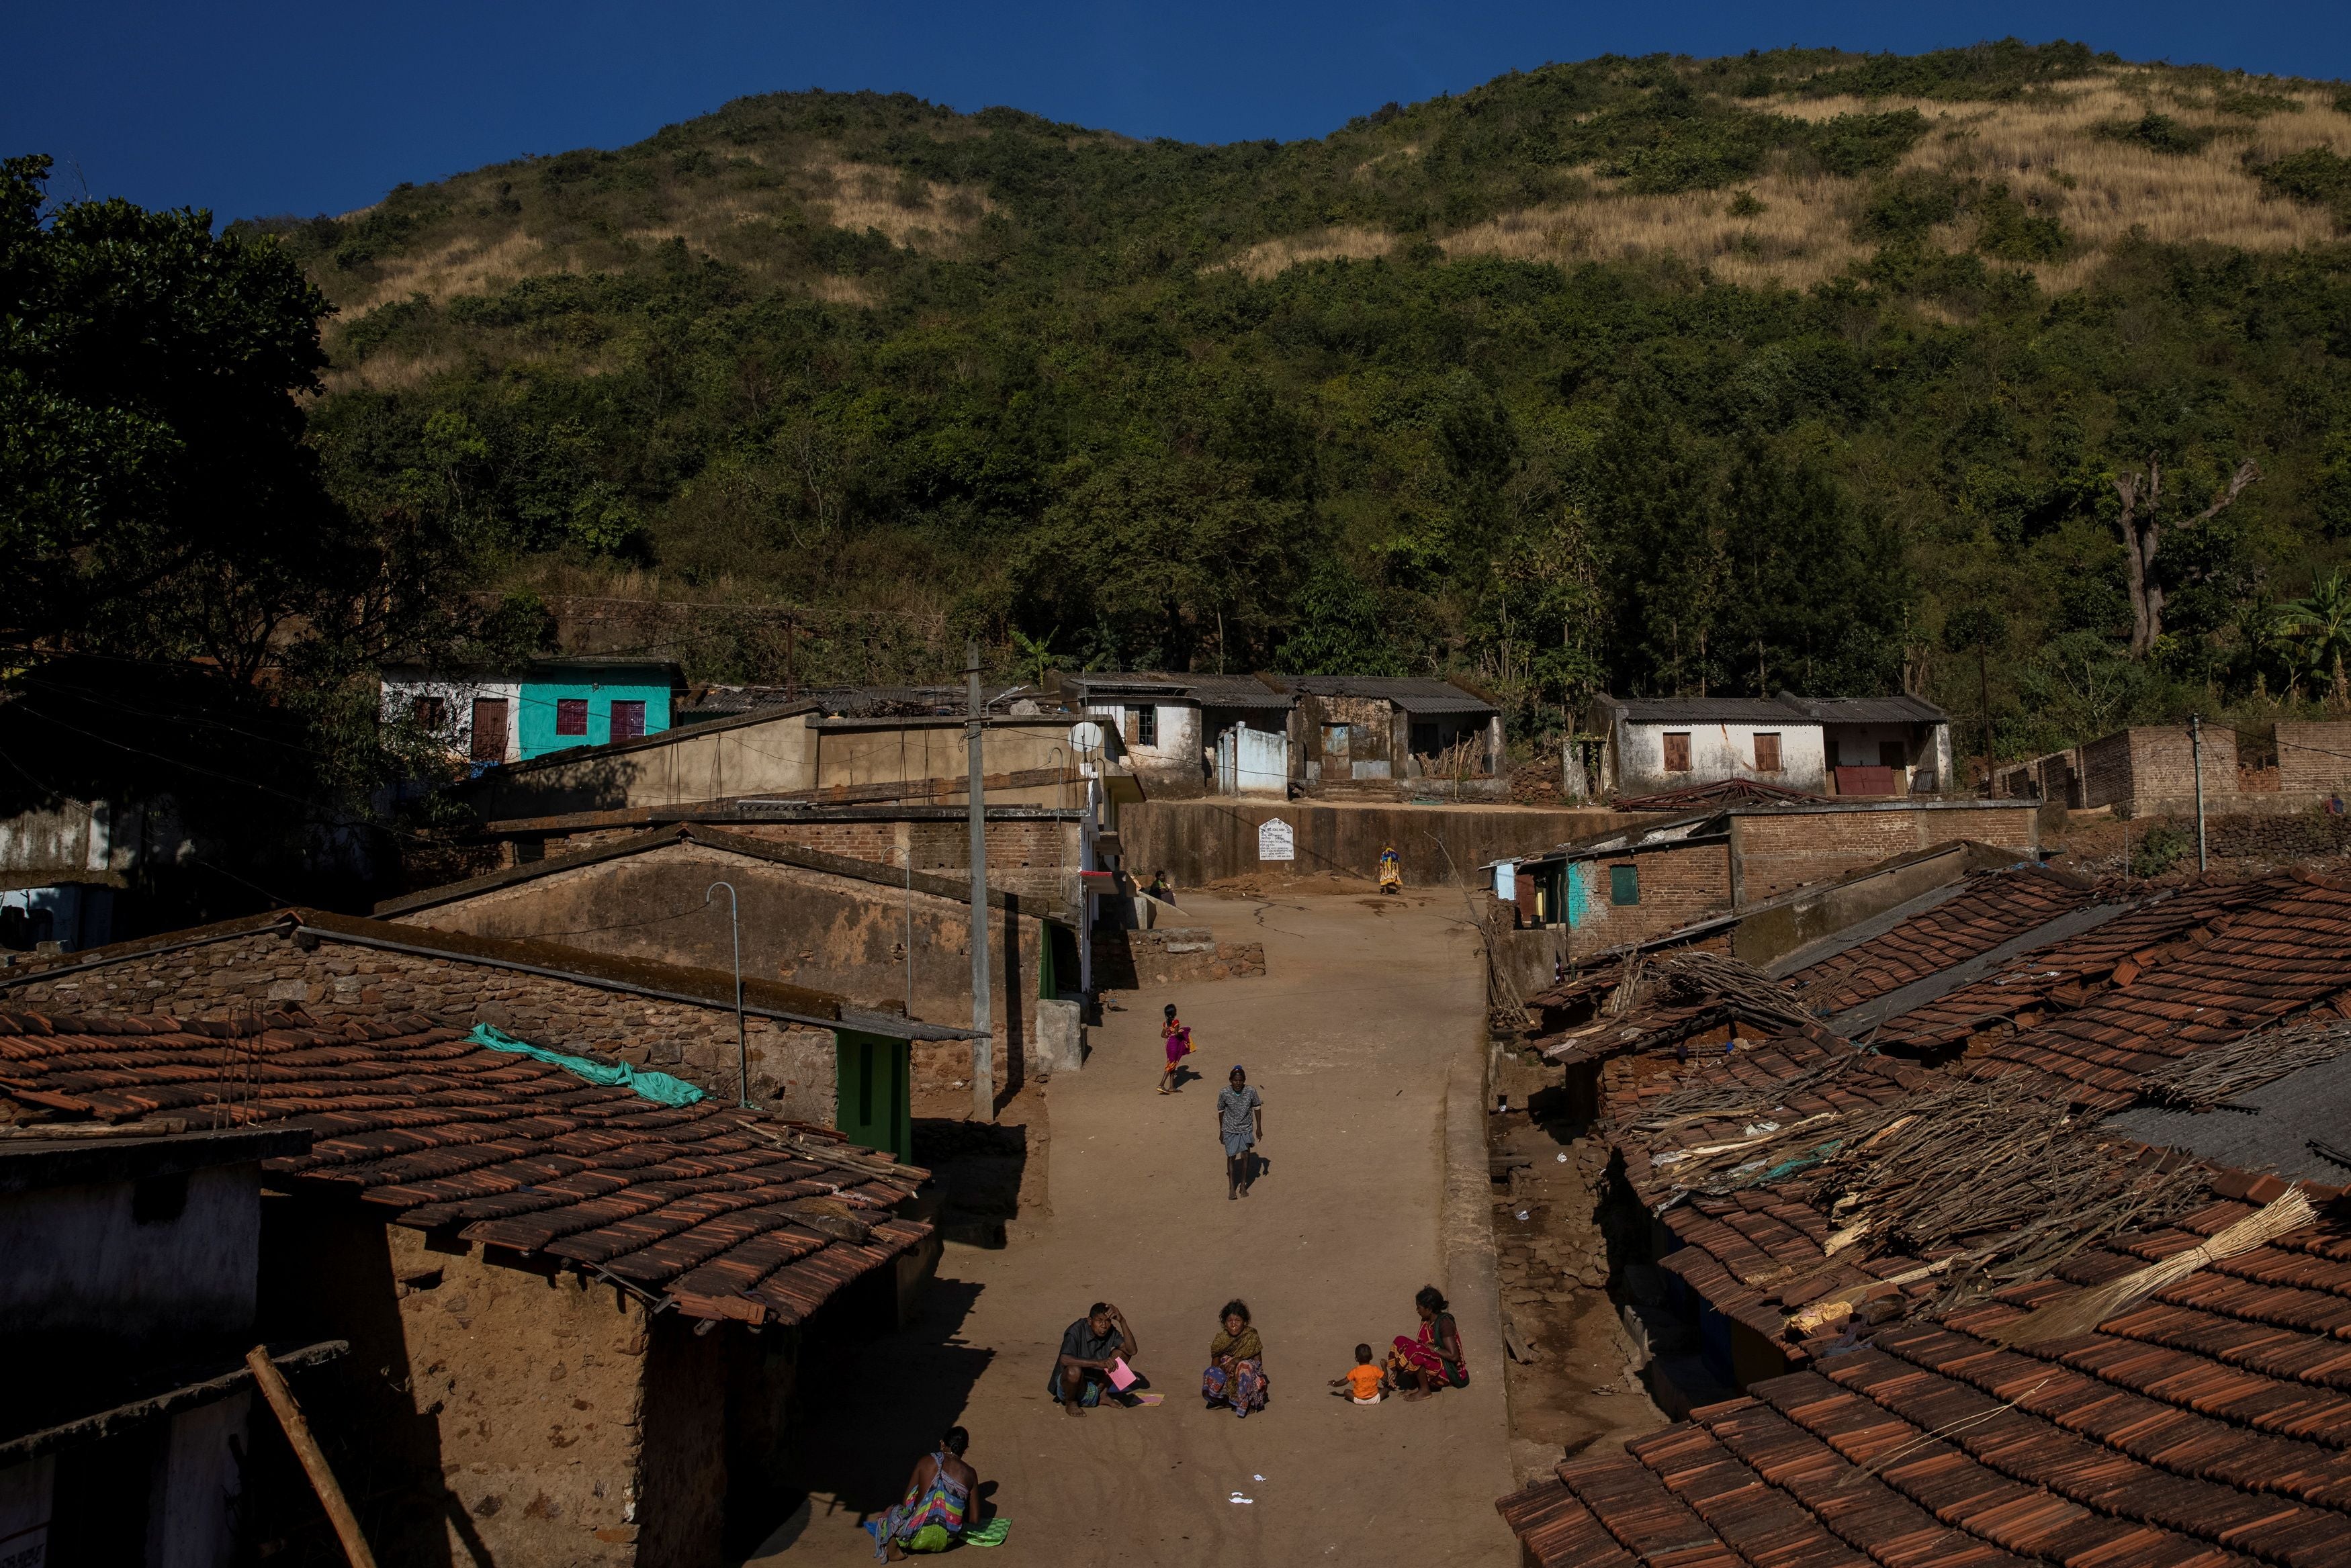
1275 841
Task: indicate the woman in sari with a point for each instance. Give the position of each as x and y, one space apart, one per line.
937 1504
1236 1374
1433 1360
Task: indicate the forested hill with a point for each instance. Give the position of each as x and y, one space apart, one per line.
1802 369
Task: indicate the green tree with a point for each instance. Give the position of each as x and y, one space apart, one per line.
156 494
2316 629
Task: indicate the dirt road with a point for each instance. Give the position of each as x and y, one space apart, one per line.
1364 1008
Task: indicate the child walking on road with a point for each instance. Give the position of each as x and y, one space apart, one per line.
1179 1045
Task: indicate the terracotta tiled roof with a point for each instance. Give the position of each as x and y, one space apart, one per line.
2267 959
2063 973
1992 908
2209 1423
720 1212
1723 792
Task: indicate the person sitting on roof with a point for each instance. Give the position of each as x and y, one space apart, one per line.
938 1505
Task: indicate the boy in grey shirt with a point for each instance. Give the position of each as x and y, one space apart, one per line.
1240 1123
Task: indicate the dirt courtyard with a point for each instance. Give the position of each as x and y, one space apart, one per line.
1366 1006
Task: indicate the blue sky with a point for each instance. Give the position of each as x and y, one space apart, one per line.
250 107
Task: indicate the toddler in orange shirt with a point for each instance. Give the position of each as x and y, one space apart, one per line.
1365 1383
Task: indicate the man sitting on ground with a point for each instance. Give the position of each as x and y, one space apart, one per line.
1089 1347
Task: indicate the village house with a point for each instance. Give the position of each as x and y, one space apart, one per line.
1821 746
2013 1225
66 867
128 1300
1351 728
881 937
577 1298
546 706
800 752
705 702
1192 734
810 1055
1036 852
1625 887
1053 781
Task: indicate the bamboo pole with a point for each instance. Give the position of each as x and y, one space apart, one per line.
314 1460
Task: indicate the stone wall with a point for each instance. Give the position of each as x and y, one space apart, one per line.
793 1067
485 1413
1171 955
867 942
1036 858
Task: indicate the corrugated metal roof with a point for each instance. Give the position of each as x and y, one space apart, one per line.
1784 708
1704 710
1208 690
1412 693
1901 710
857 702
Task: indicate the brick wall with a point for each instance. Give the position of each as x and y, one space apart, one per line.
792 1068
2314 757
1778 853
2141 767
1677 887
2010 828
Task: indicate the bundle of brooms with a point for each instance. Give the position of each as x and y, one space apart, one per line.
2218 1075
1982 1183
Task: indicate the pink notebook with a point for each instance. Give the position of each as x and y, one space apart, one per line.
1121 1376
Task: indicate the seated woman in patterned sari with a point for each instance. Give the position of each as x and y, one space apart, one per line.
938 1505
1435 1360
1236 1374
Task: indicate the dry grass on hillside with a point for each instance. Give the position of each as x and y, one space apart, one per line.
921 214
720 215
482 265
2048 147
1345 243
2045 147
1801 237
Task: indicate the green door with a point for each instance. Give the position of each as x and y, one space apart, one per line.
876 1092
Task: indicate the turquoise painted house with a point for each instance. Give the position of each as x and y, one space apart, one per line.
548 705
590 701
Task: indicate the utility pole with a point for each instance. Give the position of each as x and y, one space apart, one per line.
1983 683
2196 747
983 1051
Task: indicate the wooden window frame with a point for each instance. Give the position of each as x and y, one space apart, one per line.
1777 762
1624 885
1677 741
567 711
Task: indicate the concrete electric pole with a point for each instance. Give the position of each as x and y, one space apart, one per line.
983 1048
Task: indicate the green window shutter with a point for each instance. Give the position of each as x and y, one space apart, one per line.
1624 884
